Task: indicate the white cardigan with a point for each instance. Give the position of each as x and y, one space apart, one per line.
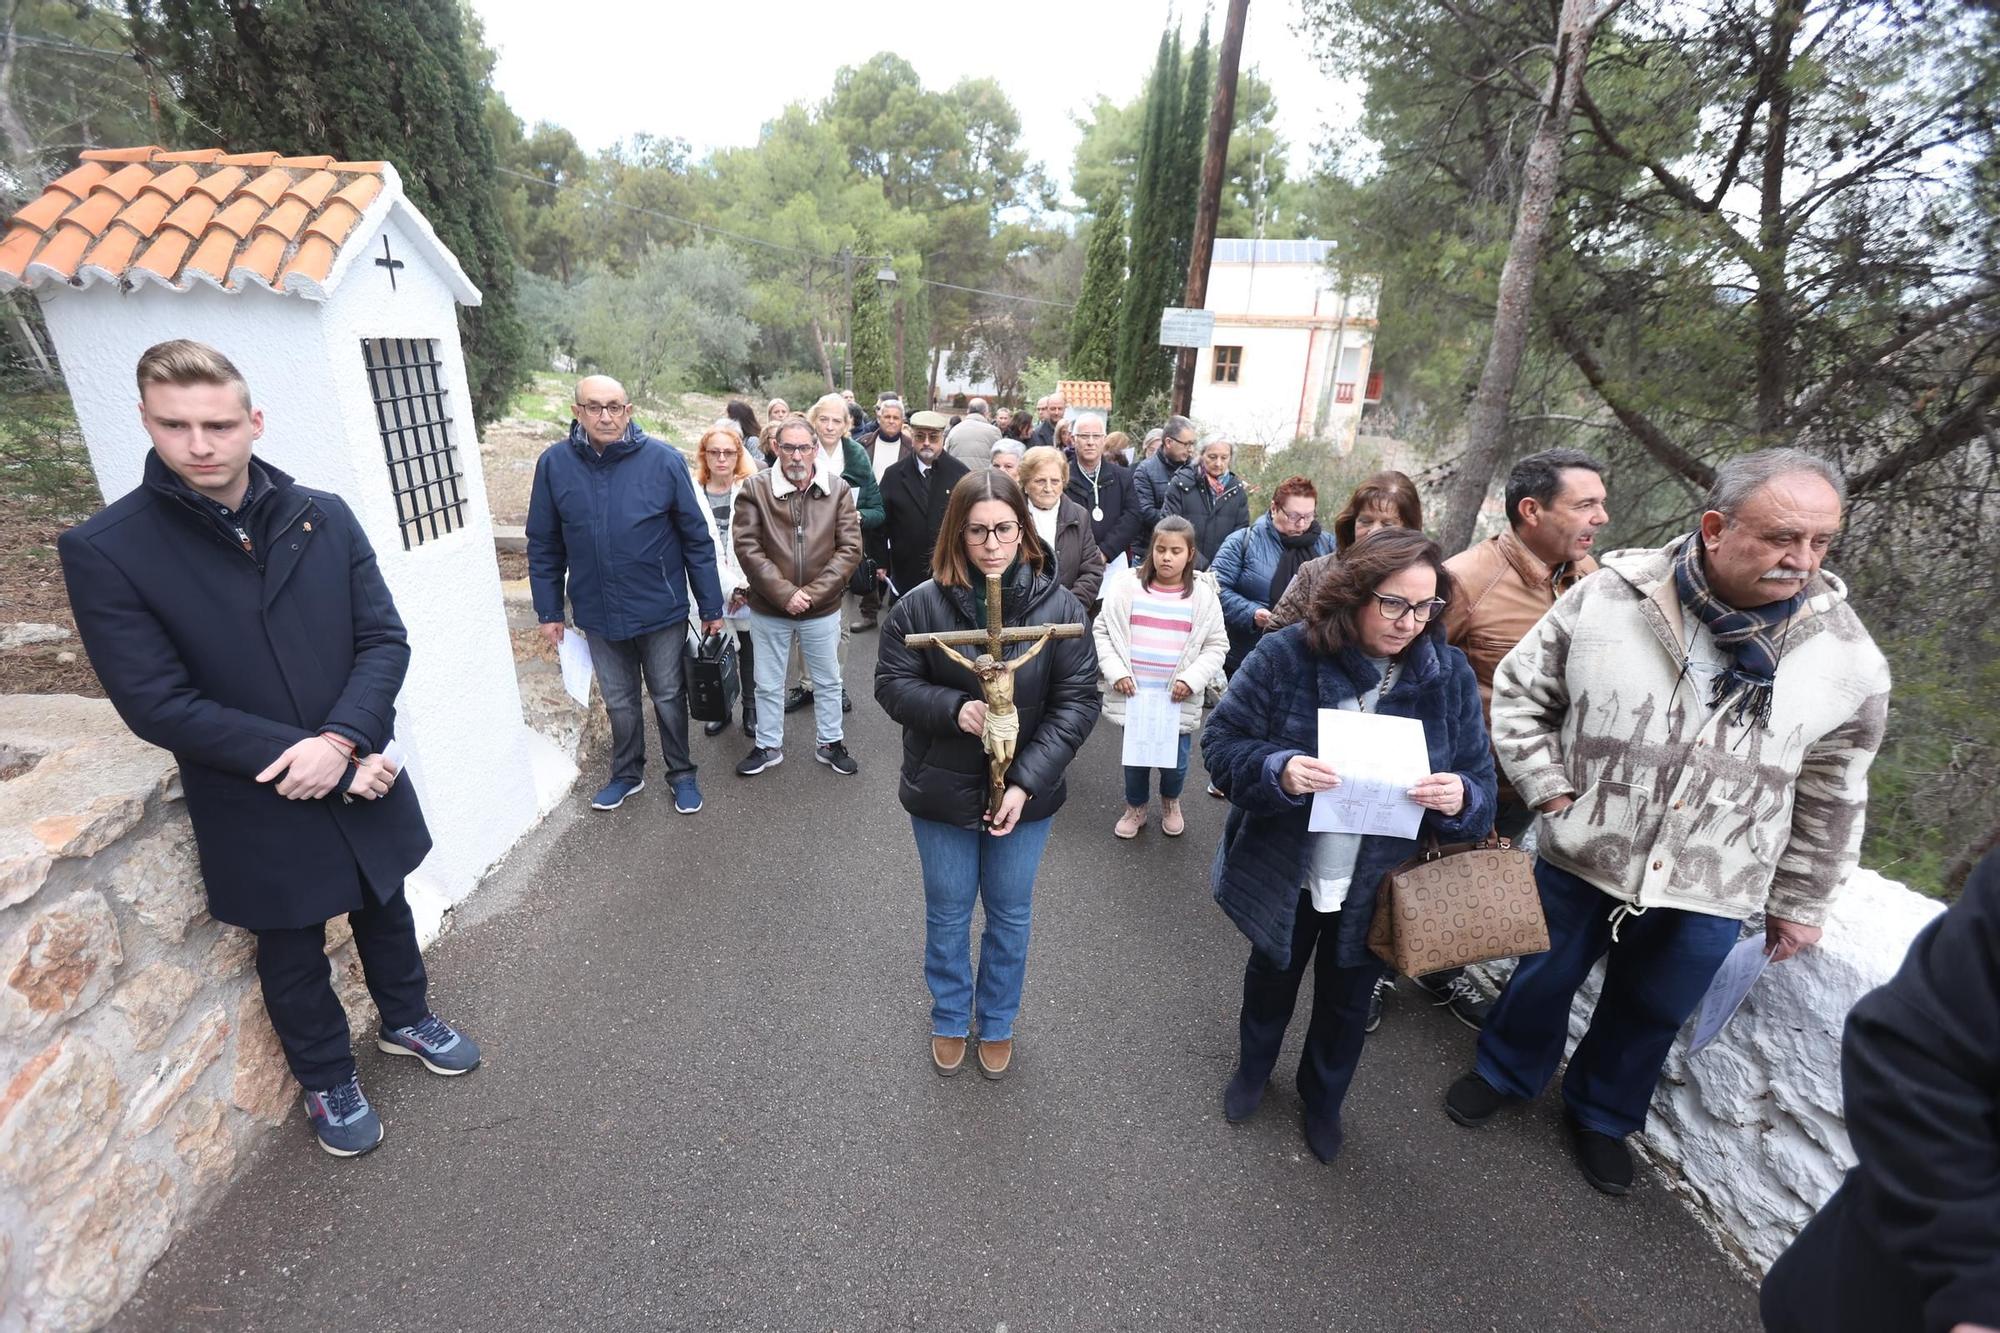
728 572
1202 656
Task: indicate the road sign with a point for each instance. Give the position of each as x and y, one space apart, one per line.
1181 327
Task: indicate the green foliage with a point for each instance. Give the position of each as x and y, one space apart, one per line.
1151 282
43 463
874 338
1335 474
1933 789
1040 378
309 76
678 321
1093 327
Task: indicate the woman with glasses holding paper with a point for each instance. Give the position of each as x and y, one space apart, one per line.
1301 881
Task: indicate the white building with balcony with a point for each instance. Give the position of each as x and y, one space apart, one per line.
1293 352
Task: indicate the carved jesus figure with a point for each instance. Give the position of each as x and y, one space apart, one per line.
1002 730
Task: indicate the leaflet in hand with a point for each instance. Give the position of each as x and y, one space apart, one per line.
573 652
1378 758
1731 986
1152 729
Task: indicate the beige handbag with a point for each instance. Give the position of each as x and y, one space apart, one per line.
1458 904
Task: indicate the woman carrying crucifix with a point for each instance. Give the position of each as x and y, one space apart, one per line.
1014 720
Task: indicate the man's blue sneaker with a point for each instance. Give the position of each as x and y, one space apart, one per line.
687 796
442 1050
613 793
346 1124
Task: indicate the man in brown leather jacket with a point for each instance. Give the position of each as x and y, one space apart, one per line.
1555 505
797 536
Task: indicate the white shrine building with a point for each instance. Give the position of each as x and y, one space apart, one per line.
1292 356
338 302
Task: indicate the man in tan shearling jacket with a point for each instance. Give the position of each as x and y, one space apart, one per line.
1695 725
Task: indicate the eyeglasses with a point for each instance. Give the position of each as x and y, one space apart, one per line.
602 409
930 436
797 450
722 453
1395 608
1291 520
1005 534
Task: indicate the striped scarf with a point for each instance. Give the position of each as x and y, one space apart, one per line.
1745 635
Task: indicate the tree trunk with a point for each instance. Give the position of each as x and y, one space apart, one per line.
1773 300
825 363
1208 207
1541 174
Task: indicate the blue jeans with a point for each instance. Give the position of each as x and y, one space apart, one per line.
1139 781
620 666
961 865
818 640
1657 971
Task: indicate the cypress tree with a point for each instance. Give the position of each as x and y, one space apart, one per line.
1093 329
364 80
1191 142
1144 367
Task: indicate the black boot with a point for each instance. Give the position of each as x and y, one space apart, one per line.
713 728
750 716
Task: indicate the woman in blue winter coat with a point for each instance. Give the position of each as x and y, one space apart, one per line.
1255 565
1373 641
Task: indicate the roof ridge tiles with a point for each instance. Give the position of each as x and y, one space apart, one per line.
190 155
143 153
79 182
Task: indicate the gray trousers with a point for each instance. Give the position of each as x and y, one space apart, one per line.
621 665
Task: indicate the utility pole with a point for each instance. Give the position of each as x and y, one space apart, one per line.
1214 161
847 322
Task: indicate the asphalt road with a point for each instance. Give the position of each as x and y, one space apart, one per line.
707 1104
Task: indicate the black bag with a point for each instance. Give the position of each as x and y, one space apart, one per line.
709 667
863 581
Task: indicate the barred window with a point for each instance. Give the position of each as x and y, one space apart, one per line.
1228 365
413 413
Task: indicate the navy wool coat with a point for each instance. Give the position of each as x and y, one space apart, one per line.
944 769
1270 713
227 658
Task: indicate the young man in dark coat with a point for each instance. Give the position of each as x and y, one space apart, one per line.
914 491
239 620
1910 1242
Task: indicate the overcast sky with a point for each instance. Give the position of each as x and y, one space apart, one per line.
713 71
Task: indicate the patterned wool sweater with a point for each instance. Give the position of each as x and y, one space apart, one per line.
1678 804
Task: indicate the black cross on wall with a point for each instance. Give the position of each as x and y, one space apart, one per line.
388 261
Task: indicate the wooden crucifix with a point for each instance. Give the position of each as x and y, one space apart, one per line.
1002 731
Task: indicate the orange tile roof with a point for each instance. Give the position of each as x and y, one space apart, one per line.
1085 393
128 215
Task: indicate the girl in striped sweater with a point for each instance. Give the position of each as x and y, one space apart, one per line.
1161 627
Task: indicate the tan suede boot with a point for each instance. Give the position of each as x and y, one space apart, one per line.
994 1057
1172 822
947 1055
1130 822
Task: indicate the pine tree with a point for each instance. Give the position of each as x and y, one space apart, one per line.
1144 367
317 76
1093 329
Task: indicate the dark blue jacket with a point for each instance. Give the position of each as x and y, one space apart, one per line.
1270 713
629 528
227 658
1244 566
1121 524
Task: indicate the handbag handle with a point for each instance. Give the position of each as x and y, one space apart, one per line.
1433 850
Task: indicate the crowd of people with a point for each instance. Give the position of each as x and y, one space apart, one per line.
1685 731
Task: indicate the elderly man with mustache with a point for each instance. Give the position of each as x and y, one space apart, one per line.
1695 725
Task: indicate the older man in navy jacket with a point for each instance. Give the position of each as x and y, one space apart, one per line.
617 511
239 620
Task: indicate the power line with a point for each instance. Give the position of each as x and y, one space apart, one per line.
701 227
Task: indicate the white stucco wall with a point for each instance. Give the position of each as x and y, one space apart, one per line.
483 775
1284 316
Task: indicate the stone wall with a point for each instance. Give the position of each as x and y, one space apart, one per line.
137 1067
1751 1129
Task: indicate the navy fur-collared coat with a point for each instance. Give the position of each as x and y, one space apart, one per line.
1270 713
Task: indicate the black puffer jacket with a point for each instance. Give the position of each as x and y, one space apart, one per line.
944 769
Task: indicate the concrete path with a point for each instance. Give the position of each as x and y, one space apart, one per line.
707 1104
